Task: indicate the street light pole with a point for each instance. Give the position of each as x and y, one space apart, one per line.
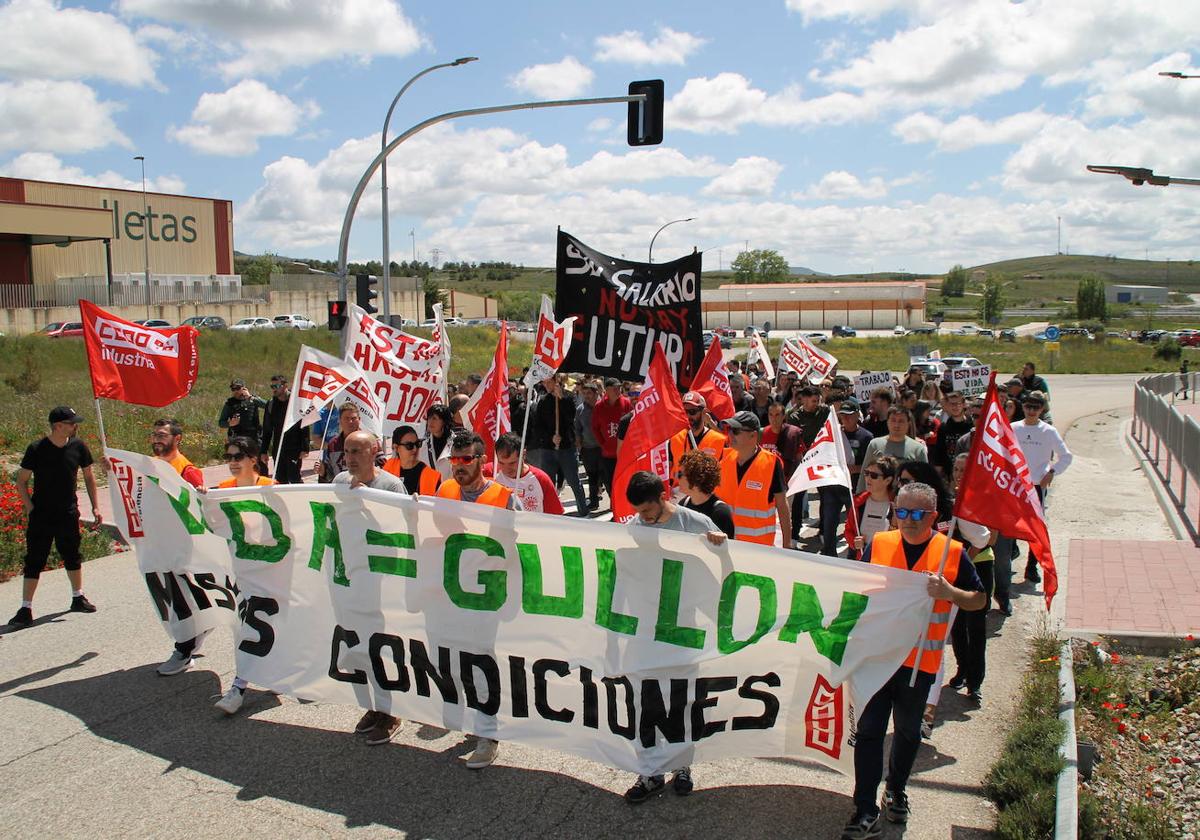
386 309
1138 175
650 255
145 231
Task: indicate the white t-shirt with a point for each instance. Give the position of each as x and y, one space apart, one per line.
874 519
1040 444
534 490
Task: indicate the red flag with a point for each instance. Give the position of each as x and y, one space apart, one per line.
137 364
487 410
712 383
996 490
657 415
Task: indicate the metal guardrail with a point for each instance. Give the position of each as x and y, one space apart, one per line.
1170 439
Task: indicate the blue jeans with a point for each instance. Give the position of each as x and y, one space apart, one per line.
904 706
563 462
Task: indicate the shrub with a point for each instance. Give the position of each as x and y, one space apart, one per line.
1168 349
95 542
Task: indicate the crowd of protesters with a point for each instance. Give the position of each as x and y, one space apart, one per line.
905 448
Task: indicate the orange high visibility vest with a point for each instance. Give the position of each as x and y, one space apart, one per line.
179 462
427 484
712 442
887 550
495 495
753 508
259 481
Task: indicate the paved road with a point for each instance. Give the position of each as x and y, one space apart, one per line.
92 743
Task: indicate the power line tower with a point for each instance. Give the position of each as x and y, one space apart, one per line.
435 256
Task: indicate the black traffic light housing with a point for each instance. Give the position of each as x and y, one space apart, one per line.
336 315
365 292
645 126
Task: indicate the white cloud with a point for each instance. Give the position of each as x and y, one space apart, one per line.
605 168
232 122
562 80
748 176
600 125
969 131
268 37
853 9
41 166
839 185
1144 92
52 116
43 40
631 47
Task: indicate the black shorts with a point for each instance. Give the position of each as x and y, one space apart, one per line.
60 528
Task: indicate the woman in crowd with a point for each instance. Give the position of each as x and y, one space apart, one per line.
932 394
926 424
698 475
872 509
437 438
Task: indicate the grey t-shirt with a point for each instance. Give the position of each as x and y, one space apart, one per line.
910 449
381 481
514 503
683 519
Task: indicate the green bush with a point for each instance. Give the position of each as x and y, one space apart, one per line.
1168 349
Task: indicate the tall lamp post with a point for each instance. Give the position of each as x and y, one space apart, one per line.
1138 175
145 231
386 309
650 255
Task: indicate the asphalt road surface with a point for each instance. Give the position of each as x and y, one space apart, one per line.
94 744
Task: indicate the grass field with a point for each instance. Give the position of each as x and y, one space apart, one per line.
37 374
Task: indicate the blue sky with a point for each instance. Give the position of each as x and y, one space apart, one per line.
850 135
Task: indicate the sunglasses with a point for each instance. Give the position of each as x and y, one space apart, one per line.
409 444
235 456
904 481
463 460
915 514
873 474
275 386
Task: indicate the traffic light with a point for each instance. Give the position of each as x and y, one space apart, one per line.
645 126
337 315
365 292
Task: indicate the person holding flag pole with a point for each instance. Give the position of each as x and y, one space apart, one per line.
550 347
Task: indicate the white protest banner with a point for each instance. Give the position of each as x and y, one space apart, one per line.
370 412
970 381
866 383
792 358
639 648
758 352
550 345
186 568
825 461
404 371
318 379
442 337
818 361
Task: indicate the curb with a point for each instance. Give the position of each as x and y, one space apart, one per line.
1165 502
1066 798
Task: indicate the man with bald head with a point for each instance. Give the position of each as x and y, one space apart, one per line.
359 451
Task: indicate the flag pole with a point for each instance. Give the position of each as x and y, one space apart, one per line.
524 431
100 425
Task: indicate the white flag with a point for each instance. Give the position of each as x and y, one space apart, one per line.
758 351
370 411
550 345
804 357
318 379
824 462
442 337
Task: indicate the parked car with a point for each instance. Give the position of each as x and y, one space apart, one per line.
899 330
763 332
966 329
841 331
1076 332
816 337
930 368
156 323
1008 335
52 329
247 324
957 360
293 322
711 335
923 330
205 322
985 334
70 329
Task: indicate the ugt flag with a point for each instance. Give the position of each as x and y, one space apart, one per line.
136 364
997 491
550 345
487 410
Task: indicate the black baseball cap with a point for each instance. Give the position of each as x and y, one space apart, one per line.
745 421
236 384
848 406
64 414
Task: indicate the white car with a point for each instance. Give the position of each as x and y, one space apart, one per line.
928 367
247 324
899 330
966 329
959 360
293 322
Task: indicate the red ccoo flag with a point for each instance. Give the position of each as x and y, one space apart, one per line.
136 364
712 383
657 415
487 410
996 490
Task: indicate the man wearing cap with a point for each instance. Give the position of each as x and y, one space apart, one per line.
1046 455
698 435
606 417
295 439
54 463
239 414
752 483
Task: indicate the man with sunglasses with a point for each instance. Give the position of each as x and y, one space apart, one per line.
164 443
295 439
1046 455
419 478
54 463
239 414
915 547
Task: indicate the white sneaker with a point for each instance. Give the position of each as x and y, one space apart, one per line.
177 664
485 753
232 700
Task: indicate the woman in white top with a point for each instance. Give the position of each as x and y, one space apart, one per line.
872 509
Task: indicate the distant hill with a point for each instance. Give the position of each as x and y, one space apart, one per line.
1179 275
801 271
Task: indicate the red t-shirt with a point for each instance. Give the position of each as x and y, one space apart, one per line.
606 417
534 489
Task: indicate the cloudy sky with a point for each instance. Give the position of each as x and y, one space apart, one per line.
850 135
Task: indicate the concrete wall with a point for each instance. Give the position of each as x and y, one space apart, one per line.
405 303
816 306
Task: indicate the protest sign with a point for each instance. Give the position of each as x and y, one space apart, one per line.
187 569
970 381
623 308
866 383
639 648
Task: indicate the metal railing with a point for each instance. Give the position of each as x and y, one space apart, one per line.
1170 439
125 290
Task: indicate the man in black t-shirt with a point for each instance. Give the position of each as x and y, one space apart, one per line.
54 463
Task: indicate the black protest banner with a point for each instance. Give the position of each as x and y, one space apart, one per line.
622 308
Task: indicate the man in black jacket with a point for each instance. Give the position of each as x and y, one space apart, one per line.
553 422
295 439
239 415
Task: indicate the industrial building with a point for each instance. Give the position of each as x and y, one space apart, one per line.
1118 293
816 306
